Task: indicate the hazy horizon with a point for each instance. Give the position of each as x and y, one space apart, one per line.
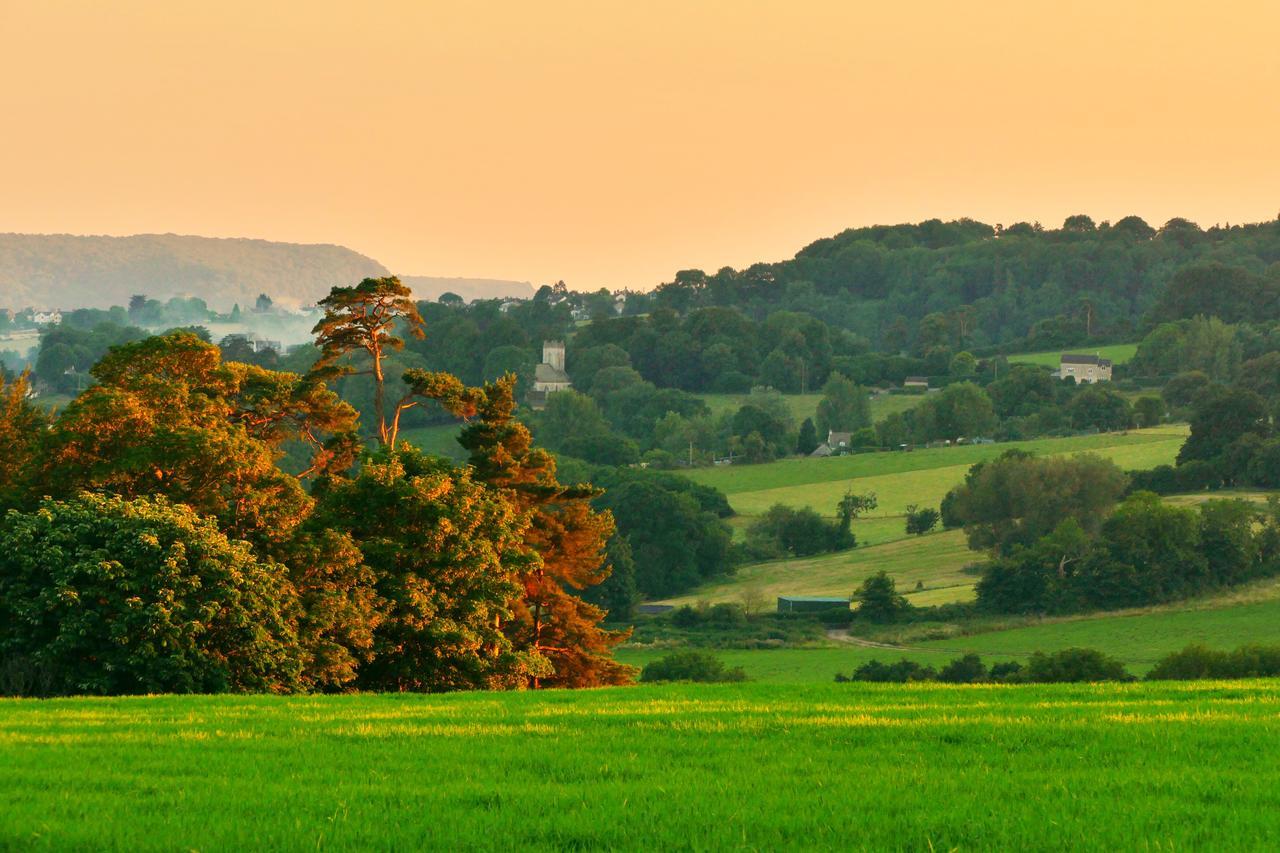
613 146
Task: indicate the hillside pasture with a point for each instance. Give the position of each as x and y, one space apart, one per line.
806 405
1118 353
1250 614
759 766
921 477
937 561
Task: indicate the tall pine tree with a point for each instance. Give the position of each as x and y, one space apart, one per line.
566 538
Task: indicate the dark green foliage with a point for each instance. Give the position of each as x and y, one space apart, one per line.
1221 417
899 673
442 550
110 596
964 670
1148 411
807 441
921 520
1068 665
1147 552
67 353
879 601
691 666
1198 662
1073 665
1100 407
1018 498
675 542
784 530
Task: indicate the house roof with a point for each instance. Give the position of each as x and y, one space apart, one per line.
813 599
546 373
912 380
1076 358
834 437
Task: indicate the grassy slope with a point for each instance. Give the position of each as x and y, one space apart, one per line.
1118 353
935 560
806 405
1246 615
736 479
673 767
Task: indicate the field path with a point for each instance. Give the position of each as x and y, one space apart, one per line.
842 635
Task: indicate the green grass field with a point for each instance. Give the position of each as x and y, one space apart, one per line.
1118 353
1138 638
806 405
922 476
754 766
935 560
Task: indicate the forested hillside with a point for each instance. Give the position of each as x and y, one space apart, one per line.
981 285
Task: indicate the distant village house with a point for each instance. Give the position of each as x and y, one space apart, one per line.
1085 368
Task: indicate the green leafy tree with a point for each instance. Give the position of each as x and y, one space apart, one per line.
1016 499
1149 411
807 441
1221 417
109 596
445 553
921 520
844 407
879 601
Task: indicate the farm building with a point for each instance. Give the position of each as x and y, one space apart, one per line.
810 604
916 382
1085 368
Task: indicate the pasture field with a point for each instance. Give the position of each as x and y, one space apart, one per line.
756 766
806 405
936 561
1139 638
920 476
1118 353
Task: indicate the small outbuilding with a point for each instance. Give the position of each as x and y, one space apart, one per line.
810 604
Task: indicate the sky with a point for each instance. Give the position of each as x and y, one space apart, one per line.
610 144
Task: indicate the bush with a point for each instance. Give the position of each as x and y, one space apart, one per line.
900 672
108 596
726 615
1196 662
1074 665
879 601
783 530
1010 671
691 666
686 617
964 670
920 520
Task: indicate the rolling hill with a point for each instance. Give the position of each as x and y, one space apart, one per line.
69 271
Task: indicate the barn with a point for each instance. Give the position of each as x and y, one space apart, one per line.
810 604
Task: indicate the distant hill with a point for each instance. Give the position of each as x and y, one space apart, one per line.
66 271
427 287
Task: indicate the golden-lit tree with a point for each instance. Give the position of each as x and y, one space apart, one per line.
364 318
565 539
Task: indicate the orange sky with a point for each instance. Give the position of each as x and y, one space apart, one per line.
612 143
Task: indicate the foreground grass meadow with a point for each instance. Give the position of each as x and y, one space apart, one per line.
1138 766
